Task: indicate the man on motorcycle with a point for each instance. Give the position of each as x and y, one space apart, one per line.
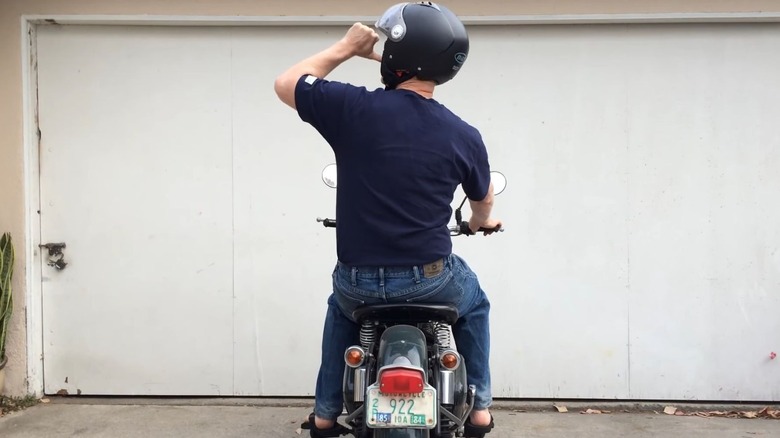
400 156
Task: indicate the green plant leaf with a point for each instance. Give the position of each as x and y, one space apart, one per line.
6 278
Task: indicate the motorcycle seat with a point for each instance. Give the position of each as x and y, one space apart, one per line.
407 313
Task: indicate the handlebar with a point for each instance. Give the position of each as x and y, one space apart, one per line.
463 229
455 230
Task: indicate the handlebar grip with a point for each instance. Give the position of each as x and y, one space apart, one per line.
327 223
464 229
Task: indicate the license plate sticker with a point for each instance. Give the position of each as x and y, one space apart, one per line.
402 410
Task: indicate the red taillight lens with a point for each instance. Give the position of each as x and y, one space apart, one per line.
401 381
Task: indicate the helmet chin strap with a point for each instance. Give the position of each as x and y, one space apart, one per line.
393 81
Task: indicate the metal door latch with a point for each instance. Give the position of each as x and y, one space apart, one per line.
56 257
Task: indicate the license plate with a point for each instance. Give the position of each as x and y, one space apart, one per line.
416 411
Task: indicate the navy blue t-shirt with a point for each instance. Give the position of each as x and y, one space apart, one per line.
400 158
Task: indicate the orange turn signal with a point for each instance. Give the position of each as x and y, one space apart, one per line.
354 356
449 359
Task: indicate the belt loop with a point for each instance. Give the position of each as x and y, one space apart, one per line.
416 270
381 277
354 276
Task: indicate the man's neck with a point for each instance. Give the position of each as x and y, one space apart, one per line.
423 88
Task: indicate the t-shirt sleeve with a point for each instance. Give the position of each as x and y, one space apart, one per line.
321 104
477 181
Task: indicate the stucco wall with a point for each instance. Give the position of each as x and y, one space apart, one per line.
12 189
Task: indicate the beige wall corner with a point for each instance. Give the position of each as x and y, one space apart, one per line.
12 191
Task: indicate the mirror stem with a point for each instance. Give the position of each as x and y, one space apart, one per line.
458 216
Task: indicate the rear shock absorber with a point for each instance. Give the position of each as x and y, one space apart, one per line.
367 335
443 334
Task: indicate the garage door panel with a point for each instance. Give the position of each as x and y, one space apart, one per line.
557 278
137 181
283 256
702 214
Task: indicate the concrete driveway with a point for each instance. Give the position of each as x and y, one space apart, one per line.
147 418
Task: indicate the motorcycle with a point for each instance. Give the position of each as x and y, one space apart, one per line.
406 379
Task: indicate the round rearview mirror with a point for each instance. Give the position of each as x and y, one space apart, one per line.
329 175
499 181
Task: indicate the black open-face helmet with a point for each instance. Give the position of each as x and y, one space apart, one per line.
424 40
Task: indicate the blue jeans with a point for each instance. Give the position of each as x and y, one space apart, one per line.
456 284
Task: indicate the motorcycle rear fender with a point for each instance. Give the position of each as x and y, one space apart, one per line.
403 345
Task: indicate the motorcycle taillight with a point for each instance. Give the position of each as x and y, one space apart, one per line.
401 381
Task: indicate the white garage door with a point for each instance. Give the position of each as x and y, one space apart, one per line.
641 257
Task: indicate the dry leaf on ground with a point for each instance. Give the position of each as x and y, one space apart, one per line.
771 413
763 413
561 409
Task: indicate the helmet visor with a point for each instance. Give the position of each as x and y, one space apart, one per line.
392 24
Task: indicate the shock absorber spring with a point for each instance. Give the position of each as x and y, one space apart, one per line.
443 334
367 334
